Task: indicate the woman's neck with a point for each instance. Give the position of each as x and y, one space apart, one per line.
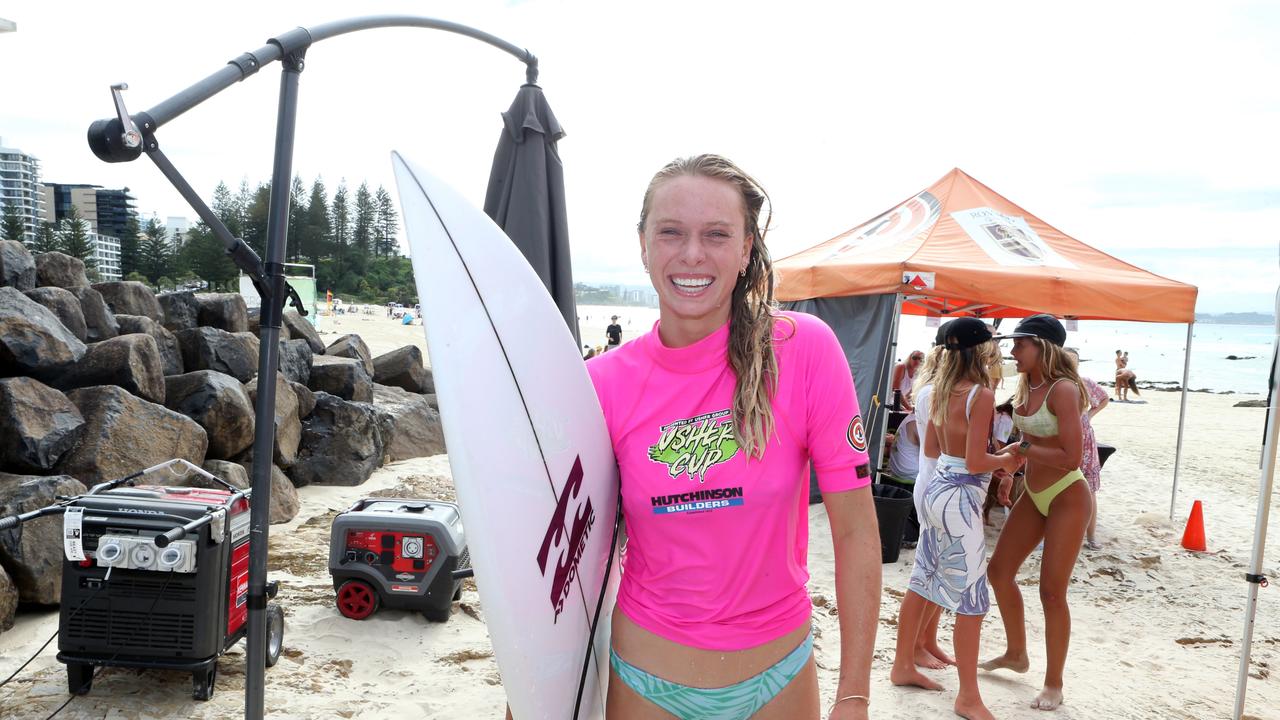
682 332
1035 378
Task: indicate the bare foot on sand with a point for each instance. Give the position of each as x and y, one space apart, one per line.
926 659
1016 663
1048 699
939 653
972 709
912 676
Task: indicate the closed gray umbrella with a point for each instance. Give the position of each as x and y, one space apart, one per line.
526 195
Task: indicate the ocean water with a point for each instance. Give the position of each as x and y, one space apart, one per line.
1155 350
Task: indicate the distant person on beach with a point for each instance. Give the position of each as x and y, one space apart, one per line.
904 375
716 416
1056 505
1126 379
613 333
951 557
1089 462
591 352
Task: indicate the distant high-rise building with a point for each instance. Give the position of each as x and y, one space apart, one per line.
114 209
177 228
20 186
7 25
60 197
106 256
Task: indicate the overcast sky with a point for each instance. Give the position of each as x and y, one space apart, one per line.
1147 130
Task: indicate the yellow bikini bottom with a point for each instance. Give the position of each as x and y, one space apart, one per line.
1044 498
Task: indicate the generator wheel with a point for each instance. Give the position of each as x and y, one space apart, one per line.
202 682
357 599
79 678
275 633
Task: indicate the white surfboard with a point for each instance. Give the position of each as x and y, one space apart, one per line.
531 458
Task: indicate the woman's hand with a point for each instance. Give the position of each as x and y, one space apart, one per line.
1006 486
1009 461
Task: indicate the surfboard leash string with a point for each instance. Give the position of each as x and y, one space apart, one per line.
595 621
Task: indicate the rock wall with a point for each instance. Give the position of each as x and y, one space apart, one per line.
99 381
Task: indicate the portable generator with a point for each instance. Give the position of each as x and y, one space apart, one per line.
398 552
155 577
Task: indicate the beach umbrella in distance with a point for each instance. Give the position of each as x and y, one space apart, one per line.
526 199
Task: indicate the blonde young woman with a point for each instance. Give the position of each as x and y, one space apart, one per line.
951 558
1057 503
715 417
928 654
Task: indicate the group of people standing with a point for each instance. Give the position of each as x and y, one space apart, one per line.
961 450
718 415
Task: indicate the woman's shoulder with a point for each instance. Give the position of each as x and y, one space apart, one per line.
800 326
618 361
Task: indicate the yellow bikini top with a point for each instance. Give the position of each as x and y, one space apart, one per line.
1041 423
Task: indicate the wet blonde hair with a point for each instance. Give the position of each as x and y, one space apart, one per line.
752 307
954 367
1055 364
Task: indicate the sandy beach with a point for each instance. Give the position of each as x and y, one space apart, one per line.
1156 628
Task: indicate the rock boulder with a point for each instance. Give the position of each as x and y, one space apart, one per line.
17 267
124 434
410 427
301 328
205 348
130 297
403 368
343 377
295 360
130 361
39 425
351 346
54 269
219 404
167 342
64 305
288 424
33 341
32 552
225 311
341 443
180 310
99 321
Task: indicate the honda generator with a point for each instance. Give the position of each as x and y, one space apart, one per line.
398 553
155 577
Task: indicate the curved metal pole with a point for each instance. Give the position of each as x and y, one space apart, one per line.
251 62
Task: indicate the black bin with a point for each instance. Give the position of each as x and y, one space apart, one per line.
893 505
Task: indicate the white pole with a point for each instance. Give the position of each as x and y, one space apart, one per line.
1182 420
1254 576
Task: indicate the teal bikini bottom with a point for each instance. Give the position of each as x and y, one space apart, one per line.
733 702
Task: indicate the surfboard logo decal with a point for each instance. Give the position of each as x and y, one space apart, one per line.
568 542
693 446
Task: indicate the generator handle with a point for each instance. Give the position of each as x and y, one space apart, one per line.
463 573
13 521
164 538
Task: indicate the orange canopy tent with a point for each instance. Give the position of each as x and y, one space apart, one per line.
961 248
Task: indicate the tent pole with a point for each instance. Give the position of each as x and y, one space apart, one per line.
1182 419
886 392
1267 477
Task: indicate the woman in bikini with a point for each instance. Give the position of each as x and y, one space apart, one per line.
1056 505
716 415
951 558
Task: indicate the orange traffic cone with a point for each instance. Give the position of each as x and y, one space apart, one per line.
1193 536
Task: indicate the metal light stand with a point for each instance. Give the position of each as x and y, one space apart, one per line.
125 137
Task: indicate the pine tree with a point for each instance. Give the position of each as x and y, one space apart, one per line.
362 230
12 227
317 224
204 257
129 251
155 259
388 223
297 221
255 219
46 239
339 233
74 240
